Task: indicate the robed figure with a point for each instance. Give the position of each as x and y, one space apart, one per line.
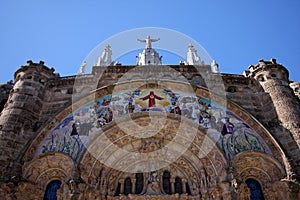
152 98
227 127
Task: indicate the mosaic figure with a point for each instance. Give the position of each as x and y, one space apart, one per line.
151 97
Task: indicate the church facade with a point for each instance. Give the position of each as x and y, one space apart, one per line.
150 131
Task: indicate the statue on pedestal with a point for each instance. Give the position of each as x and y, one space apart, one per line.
148 41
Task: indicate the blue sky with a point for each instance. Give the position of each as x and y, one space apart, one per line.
62 32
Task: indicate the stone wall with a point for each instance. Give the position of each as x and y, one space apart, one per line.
39 95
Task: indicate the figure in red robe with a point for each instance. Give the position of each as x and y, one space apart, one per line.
152 98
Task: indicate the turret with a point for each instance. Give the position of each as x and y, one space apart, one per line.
274 79
269 70
21 113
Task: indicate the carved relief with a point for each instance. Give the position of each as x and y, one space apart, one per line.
243 192
49 167
254 164
260 167
29 191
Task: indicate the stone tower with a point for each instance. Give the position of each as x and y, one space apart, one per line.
20 116
274 78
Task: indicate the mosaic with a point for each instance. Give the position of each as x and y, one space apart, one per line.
78 129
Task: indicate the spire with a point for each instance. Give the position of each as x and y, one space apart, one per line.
192 57
149 56
105 58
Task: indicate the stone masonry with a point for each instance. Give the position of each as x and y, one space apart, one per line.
37 95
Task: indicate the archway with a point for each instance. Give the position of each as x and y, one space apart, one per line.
184 173
47 172
256 192
51 190
256 172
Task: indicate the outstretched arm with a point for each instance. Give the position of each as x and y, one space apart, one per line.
146 97
158 97
155 40
141 40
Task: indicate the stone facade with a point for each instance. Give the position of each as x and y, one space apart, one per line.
238 133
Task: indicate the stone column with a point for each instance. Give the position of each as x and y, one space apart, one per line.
133 185
184 181
172 185
122 186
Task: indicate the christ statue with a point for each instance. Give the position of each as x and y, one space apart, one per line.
148 41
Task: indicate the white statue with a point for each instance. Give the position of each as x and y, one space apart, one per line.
148 41
149 56
214 67
83 68
105 58
192 56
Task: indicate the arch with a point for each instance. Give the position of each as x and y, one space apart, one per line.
92 165
273 74
51 190
258 166
29 76
118 190
261 78
256 192
17 78
187 166
188 190
248 119
199 91
127 186
49 167
178 185
139 184
181 168
167 182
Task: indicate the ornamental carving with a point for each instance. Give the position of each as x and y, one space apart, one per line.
49 167
257 165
